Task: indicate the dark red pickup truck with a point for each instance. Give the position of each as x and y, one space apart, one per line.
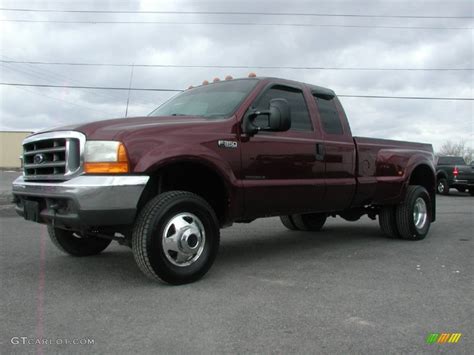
218 154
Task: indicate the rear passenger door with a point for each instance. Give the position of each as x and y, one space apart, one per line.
280 170
339 153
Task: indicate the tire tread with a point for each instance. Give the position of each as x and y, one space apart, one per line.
388 222
288 223
144 222
404 214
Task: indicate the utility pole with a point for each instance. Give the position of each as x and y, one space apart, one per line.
129 87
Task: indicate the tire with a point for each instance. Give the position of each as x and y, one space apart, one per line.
73 244
313 222
414 215
288 223
443 187
388 222
176 237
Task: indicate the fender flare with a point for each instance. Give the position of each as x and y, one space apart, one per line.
162 155
441 174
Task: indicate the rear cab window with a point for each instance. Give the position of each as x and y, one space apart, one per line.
330 120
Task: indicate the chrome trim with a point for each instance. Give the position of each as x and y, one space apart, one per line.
90 180
94 193
66 157
45 165
47 150
420 213
57 135
183 239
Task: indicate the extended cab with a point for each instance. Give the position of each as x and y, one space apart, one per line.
218 154
453 172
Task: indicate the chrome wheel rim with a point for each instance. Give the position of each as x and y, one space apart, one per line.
183 239
420 213
440 187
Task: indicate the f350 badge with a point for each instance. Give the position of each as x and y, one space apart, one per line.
221 143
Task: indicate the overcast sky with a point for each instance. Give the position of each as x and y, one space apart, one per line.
426 121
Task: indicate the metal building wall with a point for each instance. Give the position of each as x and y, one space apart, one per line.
11 148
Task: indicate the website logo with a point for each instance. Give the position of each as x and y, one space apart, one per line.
442 338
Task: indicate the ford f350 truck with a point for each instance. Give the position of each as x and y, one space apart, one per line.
222 153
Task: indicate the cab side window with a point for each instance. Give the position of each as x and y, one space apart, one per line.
300 120
329 116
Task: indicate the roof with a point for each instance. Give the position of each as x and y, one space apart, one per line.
317 90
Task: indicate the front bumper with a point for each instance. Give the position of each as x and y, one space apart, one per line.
82 202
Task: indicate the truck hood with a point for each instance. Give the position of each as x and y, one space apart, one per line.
114 129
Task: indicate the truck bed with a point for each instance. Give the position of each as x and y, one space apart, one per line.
380 167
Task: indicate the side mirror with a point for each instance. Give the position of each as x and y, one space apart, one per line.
279 118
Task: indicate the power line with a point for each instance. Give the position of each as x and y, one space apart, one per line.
47 75
64 101
88 87
229 66
93 22
235 13
179 90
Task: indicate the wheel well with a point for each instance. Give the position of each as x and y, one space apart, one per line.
441 175
192 177
423 175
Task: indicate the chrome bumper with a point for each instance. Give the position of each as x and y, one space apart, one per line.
82 201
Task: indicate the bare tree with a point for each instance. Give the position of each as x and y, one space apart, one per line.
459 149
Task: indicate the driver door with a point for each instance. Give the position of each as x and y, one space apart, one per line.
281 172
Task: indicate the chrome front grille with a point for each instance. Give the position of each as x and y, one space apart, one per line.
53 156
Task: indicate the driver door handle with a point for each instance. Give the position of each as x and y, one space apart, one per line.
320 151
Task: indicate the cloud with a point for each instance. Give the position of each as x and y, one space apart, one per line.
428 121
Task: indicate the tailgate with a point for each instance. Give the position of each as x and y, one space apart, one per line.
465 172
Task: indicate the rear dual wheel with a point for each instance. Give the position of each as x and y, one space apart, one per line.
304 222
410 220
388 221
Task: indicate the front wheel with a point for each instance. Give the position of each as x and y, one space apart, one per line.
176 237
76 244
414 215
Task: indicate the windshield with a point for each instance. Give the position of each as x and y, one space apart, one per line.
214 100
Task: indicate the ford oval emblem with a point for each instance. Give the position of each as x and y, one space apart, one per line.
39 158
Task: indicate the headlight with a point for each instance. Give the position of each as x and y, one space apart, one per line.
105 157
